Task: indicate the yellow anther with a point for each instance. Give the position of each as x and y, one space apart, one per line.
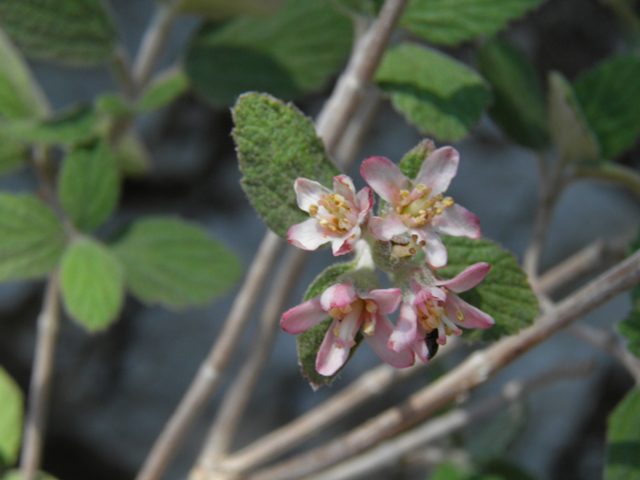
447 202
412 251
336 313
323 222
433 322
346 309
313 210
371 306
438 210
447 330
336 331
422 212
369 328
421 188
404 194
344 224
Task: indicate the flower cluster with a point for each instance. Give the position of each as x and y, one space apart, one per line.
414 214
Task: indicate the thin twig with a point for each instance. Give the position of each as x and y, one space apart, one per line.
473 372
121 69
238 395
390 452
368 386
41 379
153 42
207 379
610 343
362 65
210 372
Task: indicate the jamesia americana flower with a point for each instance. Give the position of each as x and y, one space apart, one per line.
434 308
351 312
337 216
418 207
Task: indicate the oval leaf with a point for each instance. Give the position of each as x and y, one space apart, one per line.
295 51
623 440
518 105
610 98
10 419
15 475
450 22
32 239
309 342
505 293
20 95
89 186
92 284
570 132
12 155
433 91
163 90
175 263
74 32
277 144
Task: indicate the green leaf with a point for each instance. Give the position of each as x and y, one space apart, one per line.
78 125
175 263
412 160
505 293
518 105
92 284
73 32
131 155
309 342
163 90
433 91
630 329
569 129
89 186
32 239
20 95
295 51
623 440
15 475
224 9
608 171
276 145
450 22
114 105
610 98
12 155
369 8
449 471
10 419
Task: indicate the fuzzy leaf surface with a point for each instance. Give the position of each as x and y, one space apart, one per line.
276 144
293 52
89 186
175 263
505 293
413 159
11 415
20 95
73 32
623 440
32 238
449 22
518 105
433 91
309 342
570 132
92 284
610 98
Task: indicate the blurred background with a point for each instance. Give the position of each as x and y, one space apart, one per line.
114 391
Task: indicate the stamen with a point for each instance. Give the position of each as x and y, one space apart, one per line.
346 308
447 202
460 316
313 210
336 332
323 222
404 194
336 313
371 306
369 328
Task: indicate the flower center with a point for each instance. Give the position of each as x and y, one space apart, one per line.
335 214
350 317
418 207
432 315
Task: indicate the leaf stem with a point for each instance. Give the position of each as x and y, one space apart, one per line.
473 372
41 379
390 452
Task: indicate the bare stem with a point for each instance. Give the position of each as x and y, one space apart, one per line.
370 385
210 372
390 452
239 394
471 373
41 379
122 71
362 65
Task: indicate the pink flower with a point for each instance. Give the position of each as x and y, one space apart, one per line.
431 310
351 312
337 216
418 206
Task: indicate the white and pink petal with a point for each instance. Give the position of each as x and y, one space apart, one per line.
330 356
308 235
457 221
387 299
467 279
308 193
406 330
301 318
384 177
378 342
338 296
472 317
438 169
387 227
